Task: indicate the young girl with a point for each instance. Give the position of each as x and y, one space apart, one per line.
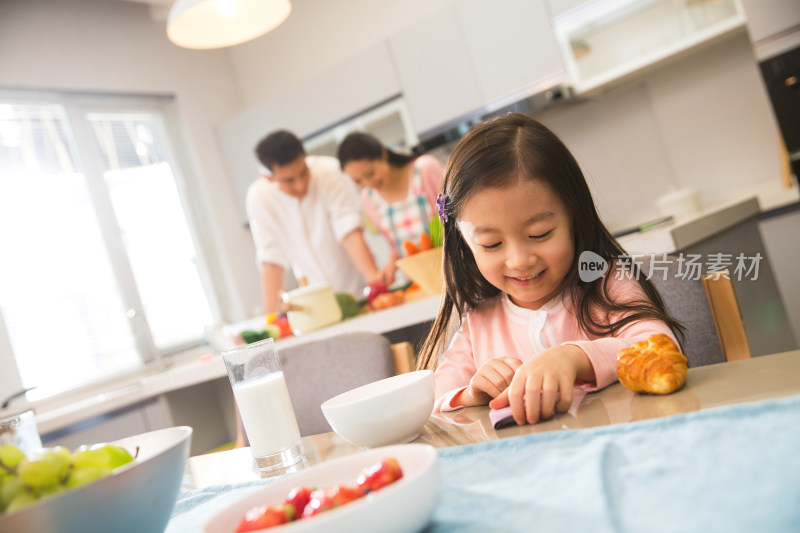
517 213
398 191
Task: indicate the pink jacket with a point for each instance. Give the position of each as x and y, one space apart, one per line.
498 328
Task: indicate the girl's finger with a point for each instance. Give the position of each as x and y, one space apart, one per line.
516 400
566 393
533 399
493 382
549 396
513 363
501 401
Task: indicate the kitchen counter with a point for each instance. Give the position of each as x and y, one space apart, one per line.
210 366
726 211
684 232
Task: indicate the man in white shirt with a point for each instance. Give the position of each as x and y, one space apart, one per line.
304 213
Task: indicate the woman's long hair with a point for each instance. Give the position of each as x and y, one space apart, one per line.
359 146
494 153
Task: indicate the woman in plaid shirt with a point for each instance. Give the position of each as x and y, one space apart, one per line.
398 192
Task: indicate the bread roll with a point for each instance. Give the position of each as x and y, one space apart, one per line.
655 365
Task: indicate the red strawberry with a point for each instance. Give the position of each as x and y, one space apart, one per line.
330 498
379 475
265 516
298 498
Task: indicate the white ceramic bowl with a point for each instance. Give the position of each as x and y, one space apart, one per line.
388 411
136 497
404 506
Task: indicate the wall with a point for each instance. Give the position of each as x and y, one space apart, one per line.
116 47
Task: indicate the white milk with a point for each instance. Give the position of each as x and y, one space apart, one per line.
267 414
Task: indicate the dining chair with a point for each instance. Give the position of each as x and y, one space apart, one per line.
319 370
727 316
707 308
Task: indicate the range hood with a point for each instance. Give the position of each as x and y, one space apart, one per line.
529 101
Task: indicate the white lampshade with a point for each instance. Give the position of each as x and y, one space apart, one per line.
204 24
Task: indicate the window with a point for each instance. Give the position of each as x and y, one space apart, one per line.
100 274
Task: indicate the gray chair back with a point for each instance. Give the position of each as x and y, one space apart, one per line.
319 370
686 300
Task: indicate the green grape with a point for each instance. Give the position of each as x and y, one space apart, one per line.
21 500
101 456
62 451
85 457
10 455
81 476
48 471
9 489
49 491
40 473
118 455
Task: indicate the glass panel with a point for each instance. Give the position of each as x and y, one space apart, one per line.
58 293
154 229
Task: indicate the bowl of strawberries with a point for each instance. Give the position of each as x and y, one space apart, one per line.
389 489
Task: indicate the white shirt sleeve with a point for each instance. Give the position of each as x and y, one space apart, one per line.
342 201
263 226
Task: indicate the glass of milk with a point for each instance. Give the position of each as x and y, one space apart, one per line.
265 407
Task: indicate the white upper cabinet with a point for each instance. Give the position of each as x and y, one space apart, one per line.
606 42
435 71
512 47
558 7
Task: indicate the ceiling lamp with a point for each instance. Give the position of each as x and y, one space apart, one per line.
205 24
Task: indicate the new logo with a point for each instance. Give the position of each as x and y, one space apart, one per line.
591 266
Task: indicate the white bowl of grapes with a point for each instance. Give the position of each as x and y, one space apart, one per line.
128 485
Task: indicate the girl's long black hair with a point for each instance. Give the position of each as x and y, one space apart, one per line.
493 153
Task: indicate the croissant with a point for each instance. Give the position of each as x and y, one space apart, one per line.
655 365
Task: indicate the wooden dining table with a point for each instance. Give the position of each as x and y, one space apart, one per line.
751 380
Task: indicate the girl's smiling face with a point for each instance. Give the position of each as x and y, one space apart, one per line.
521 238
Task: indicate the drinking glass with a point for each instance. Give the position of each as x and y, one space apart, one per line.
265 407
20 429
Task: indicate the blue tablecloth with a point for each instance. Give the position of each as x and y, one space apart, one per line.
731 469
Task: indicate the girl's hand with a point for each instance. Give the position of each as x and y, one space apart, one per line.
543 385
490 381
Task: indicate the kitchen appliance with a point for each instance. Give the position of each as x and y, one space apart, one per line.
312 307
774 30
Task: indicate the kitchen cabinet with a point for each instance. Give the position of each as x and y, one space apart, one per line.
511 47
131 420
475 56
559 7
390 122
770 19
435 71
605 43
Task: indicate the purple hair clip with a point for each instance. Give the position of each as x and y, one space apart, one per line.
441 201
